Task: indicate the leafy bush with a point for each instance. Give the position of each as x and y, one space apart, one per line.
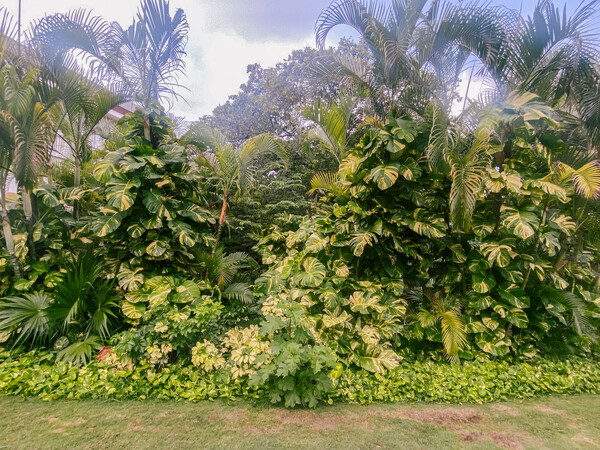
75 316
34 374
387 269
153 213
169 314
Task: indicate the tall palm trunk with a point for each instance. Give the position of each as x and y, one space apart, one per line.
28 210
221 221
76 181
8 236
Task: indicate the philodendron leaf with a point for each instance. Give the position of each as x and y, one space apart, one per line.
378 361
522 223
313 274
483 283
133 310
157 248
385 176
108 222
121 193
515 296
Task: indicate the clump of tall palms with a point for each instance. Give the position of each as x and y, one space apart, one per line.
232 167
417 49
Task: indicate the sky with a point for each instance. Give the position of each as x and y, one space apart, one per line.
225 36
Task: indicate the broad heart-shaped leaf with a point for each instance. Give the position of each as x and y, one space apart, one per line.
157 248
483 283
121 193
135 230
492 344
378 360
498 253
154 203
187 292
360 240
517 317
133 310
196 213
313 273
515 296
426 224
316 243
522 223
363 304
385 175
184 233
158 289
108 222
130 279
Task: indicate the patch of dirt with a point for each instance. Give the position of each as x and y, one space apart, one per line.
234 416
135 426
549 410
77 422
470 436
587 440
450 417
59 430
506 440
506 409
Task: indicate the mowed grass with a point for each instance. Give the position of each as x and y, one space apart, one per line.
552 422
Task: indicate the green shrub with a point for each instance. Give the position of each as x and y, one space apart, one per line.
34 374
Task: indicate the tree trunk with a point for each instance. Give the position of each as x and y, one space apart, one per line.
76 181
27 209
8 236
221 220
147 135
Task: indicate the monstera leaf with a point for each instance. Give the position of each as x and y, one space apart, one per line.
108 222
121 192
313 273
521 222
377 359
385 176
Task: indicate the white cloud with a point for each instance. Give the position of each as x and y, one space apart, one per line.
217 56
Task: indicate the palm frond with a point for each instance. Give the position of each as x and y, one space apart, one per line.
29 317
80 352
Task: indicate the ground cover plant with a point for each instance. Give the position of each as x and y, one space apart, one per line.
362 241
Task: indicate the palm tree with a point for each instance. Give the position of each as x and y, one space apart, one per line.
232 167
331 125
6 156
143 61
25 115
550 54
416 54
83 105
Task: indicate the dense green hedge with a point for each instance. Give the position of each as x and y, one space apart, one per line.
35 374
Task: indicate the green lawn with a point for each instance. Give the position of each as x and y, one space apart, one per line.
552 422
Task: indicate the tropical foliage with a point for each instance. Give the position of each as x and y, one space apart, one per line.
339 229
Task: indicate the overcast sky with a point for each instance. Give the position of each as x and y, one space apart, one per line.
225 36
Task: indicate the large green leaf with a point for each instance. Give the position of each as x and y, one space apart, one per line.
313 273
483 283
522 222
378 360
133 310
385 176
183 232
121 193
515 296
157 248
108 222
154 202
